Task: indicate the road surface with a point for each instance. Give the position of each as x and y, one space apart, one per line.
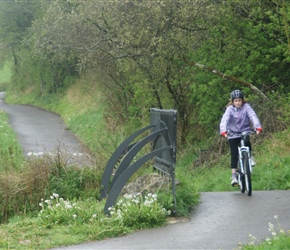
41 132
222 220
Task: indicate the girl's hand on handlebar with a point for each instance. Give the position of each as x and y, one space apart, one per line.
224 134
258 130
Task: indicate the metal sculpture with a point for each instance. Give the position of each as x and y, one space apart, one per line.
163 141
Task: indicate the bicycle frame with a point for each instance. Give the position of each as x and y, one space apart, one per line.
242 148
244 168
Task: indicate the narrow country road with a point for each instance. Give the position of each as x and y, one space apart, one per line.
41 132
222 220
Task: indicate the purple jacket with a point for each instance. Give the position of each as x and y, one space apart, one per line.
239 120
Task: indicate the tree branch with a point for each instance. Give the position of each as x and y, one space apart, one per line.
230 78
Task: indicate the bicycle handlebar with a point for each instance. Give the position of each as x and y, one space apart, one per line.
230 133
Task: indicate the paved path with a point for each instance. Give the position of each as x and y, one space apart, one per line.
221 221
41 132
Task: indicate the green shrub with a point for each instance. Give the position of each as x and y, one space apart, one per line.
138 212
75 182
57 210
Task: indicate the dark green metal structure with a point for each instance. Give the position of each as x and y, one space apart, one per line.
163 140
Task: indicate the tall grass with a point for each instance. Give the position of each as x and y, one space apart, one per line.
10 150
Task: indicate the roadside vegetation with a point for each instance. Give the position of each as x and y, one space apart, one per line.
79 59
60 200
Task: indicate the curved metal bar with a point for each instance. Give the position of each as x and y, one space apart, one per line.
134 150
120 183
114 159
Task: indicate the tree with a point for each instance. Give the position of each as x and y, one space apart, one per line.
142 50
15 17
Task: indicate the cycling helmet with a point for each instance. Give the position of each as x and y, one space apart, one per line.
237 94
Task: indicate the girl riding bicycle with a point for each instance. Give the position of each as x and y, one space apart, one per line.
238 118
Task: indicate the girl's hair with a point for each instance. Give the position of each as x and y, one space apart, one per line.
232 102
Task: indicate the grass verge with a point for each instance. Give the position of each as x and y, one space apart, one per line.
10 150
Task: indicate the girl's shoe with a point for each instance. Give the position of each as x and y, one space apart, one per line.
253 163
234 182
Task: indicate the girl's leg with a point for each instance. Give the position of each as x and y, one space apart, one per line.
248 143
234 143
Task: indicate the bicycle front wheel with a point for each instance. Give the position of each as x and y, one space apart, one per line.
242 182
241 177
248 179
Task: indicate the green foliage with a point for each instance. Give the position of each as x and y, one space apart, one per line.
166 200
280 239
138 212
281 242
74 182
274 175
38 177
5 76
142 52
187 196
10 151
60 211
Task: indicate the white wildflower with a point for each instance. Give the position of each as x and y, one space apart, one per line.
119 213
128 196
55 195
120 202
147 203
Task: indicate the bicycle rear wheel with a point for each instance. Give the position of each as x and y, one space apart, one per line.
247 176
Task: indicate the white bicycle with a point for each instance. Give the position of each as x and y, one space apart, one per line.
244 169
